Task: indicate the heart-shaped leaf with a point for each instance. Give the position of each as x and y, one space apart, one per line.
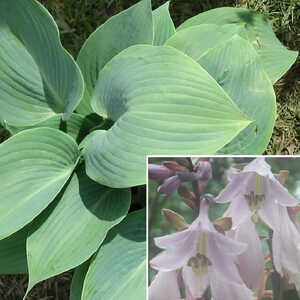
34 166
70 233
162 24
275 58
119 269
162 102
130 27
236 66
38 78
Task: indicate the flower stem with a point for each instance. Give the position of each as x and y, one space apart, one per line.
195 186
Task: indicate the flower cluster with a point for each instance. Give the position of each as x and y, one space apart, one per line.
173 174
231 261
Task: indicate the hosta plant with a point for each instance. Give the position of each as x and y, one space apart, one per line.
80 130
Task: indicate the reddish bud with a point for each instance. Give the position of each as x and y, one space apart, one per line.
187 196
174 166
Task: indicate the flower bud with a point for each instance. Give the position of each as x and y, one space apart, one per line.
174 166
176 220
187 176
187 196
203 170
183 162
158 172
169 186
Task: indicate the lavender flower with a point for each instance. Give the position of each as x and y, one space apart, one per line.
256 194
205 257
253 193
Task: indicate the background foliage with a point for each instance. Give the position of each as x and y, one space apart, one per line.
78 18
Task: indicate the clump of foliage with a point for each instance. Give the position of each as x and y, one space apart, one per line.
81 129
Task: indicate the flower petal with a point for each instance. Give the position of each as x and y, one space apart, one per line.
275 191
251 262
289 240
236 187
227 245
196 284
176 240
226 290
170 260
238 211
269 213
221 263
259 166
164 286
276 251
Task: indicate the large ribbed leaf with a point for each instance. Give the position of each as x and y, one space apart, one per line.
130 27
13 253
75 228
34 166
77 126
235 65
38 78
163 25
195 41
118 272
275 58
162 102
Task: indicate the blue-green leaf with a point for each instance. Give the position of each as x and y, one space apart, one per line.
163 25
38 78
164 103
34 166
119 270
75 228
130 27
275 58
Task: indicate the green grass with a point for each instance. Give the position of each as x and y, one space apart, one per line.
77 19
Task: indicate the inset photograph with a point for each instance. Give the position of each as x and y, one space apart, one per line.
223 228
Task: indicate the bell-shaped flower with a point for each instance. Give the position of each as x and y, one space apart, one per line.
164 287
255 192
206 257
